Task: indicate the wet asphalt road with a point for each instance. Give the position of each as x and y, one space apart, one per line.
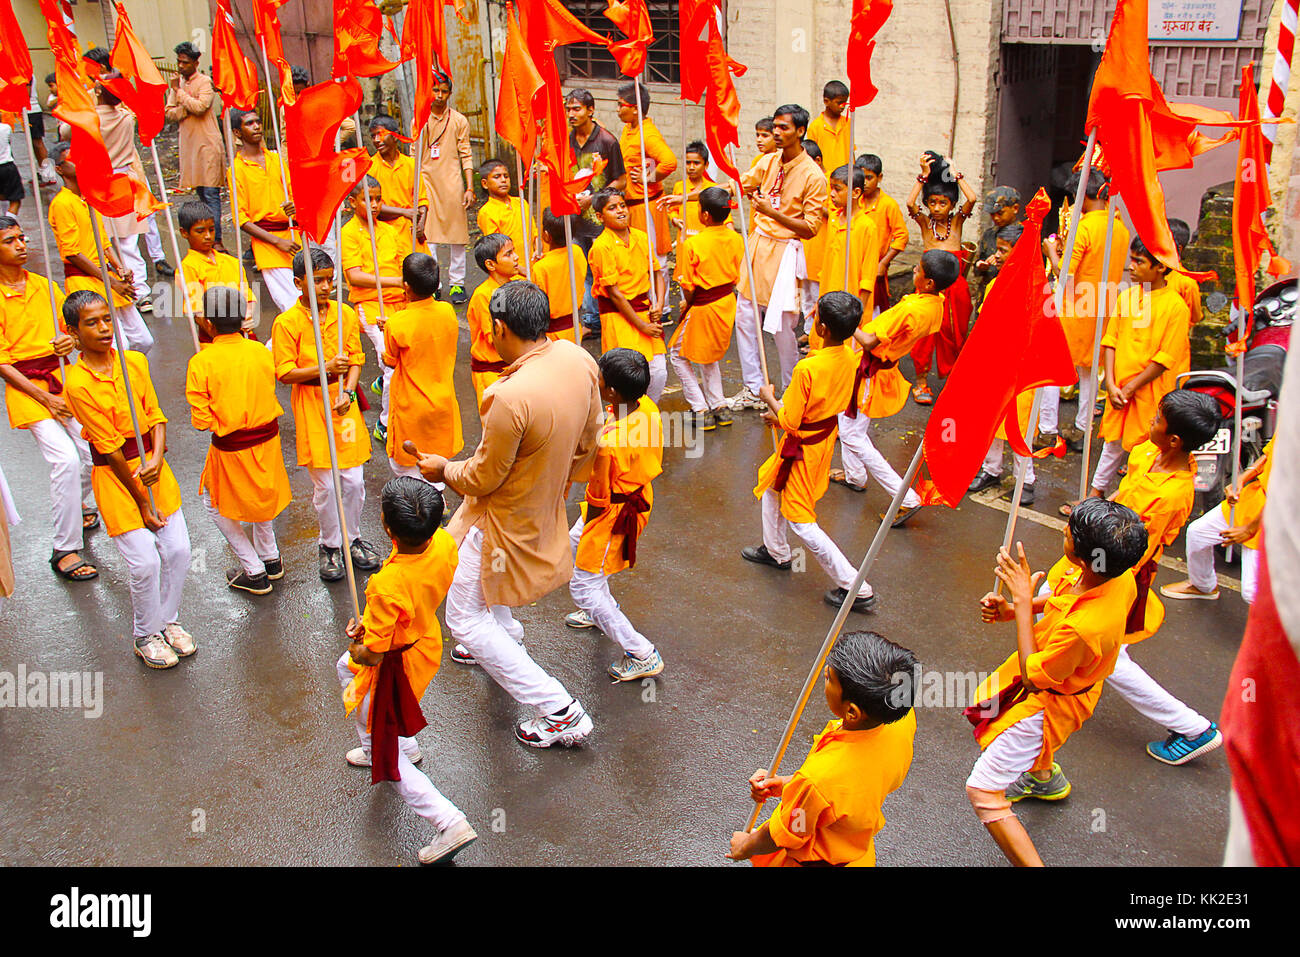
236 755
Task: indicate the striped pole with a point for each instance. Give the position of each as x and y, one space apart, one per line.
1281 79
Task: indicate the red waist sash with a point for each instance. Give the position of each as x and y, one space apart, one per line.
793 443
561 323
129 450
1015 692
275 225
631 504
710 294
248 438
71 271
42 369
869 366
487 365
394 713
640 304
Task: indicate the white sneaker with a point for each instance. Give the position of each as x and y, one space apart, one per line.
463 656
448 843
182 641
745 399
155 652
565 728
631 668
579 619
47 174
359 757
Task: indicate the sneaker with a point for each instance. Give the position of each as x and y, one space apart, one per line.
360 758
632 668
364 556
835 598
458 295
47 173
380 433
164 269
746 399
377 387
181 641
1073 438
567 727
448 844
1179 749
722 415
144 305
331 564
579 619
155 652
1026 494
922 395
240 580
462 656
1185 589
274 569
1044 440
982 481
1054 788
761 556
704 421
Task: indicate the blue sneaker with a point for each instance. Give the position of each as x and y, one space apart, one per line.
377 387
1179 749
380 433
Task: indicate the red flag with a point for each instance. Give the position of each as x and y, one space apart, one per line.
424 40
266 24
722 105
867 19
140 87
357 26
232 72
1250 198
693 33
15 63
632 17
516 119
321 177
1016 346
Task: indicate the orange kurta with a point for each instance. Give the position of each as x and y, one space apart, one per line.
891 227
402 600
70 220
261 195
1187 288
712 258
814 250
1081 302
629 456
638 196
899 328
420 345
551 273
688 218
26 328
294 347
355 253
830 809
865 257
397 188
834 140
230 385
623 264
1077 638
509 216
1251 503
820 388
797 189
479 321
1145 329
214 269
99 403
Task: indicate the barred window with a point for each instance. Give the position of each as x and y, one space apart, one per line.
586 61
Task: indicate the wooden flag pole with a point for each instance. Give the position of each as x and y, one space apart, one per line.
275 120
418 156
525 214
234 192
653 241
374 252
1022 469
1103 310
573 279
840 616
681 233
1236 421
187 311
1076 214
848 214
45 248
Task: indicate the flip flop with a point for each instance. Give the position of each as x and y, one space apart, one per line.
839 478
69 573
1065 510
89 519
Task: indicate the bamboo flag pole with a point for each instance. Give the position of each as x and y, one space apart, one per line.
187 311
337 226
1064 278
96 226
374 255
275 120
1236 420
573 279
840 616
653 243
526 214
681 232
848 215
1103 310
234 189
1022 469
418 156
40 225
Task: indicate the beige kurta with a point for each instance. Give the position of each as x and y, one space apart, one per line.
448 166
202 152
541 421
798 189
117 126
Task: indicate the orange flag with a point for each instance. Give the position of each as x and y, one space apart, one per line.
140 87
1250 198
516 120
722 105
232 72
867 18
632 17
357 26
321 177
424 40
15 63
266 24
693 34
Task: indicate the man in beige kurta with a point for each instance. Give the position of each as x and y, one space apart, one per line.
191 103
541 420
789 193
449 169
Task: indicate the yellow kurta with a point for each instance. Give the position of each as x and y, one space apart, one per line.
481 349
891 227
1145 329
834 139
261 196
356 252
448 167
397 187
509 216
1251 503
420 344
623 265
711 258
551 274
639 195
898 328
214 269
865 257
798 189
26 328
70 221
1081 302
202 156
1187 288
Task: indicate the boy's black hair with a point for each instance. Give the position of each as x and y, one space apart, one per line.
522 308
1096 181
840 312
841 175
8 222
941 267
763 123
798 115
1108 537
299 75
237 118
488 248
412 510
716 201
834 90
99 55
1139 248
320 259
78 301
382 121
580 96
1011 232
365 183
187 49
192 213
489 165
870 163
812 149
225 307
626 371
553 226
1192 416
940 182
442 79
420 272
1181 232
51 78
602 198
698 148
627 93
875 674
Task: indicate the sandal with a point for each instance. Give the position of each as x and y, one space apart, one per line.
70 573
89 519
1065 510
839 478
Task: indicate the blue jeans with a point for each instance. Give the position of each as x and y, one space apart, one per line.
210 196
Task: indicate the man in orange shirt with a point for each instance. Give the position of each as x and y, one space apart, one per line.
394 655
137 494
551 273
420 347
830 810
265 212
230 387
891 227
629 456
496 255
31 344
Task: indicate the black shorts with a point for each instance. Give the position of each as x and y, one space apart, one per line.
36 122
11 184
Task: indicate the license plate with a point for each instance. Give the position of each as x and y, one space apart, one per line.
1221 444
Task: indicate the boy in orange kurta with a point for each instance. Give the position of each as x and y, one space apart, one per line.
891 228
394 655
420 347
230 387
1050 685
503 213
865 245
496 255
629 456
551 273
645 185
709 270
831 129
830 810
265 212
395 171
297 364
137 494
793 479
205 267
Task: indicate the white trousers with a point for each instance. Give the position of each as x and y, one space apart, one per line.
861 458
1202 537
993 461
414 785
1050 403
253 550
455 261
1112 457
710 377
590 592
827 553
809 293
327 513
68 456
135 333
493 636
157 563
279 283
787 347
368 313
1152 701
658 378
1009 755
